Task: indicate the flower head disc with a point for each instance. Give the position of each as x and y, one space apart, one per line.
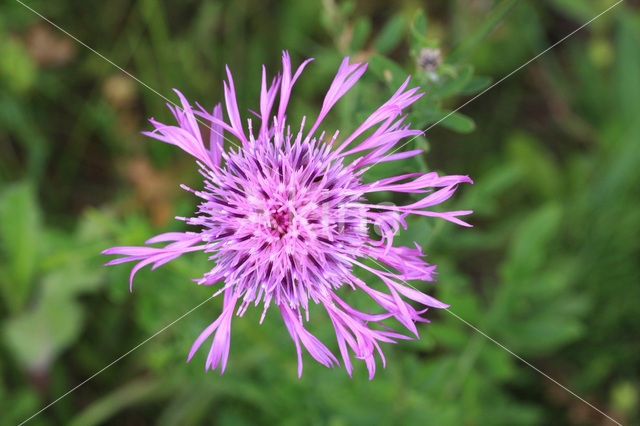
285 218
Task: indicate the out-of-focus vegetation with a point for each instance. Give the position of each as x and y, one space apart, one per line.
551 269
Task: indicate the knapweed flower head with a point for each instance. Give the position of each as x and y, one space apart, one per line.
285 218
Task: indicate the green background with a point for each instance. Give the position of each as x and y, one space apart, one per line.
550 269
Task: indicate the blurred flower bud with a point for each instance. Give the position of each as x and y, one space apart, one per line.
429 59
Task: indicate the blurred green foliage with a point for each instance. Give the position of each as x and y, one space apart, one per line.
550 270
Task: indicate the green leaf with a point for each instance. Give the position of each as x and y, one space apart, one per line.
419 23
531 244
542 334
458 122
387 69
37 336
17 118
451 85
485 194
361 32
475 84
580 11
17 70
540 171
19 233
418 31
130 394
477 35
624 397
390 35
70 281
627 69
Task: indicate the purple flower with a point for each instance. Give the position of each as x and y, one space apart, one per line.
285 218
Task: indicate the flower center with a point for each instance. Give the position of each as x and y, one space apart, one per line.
281 219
